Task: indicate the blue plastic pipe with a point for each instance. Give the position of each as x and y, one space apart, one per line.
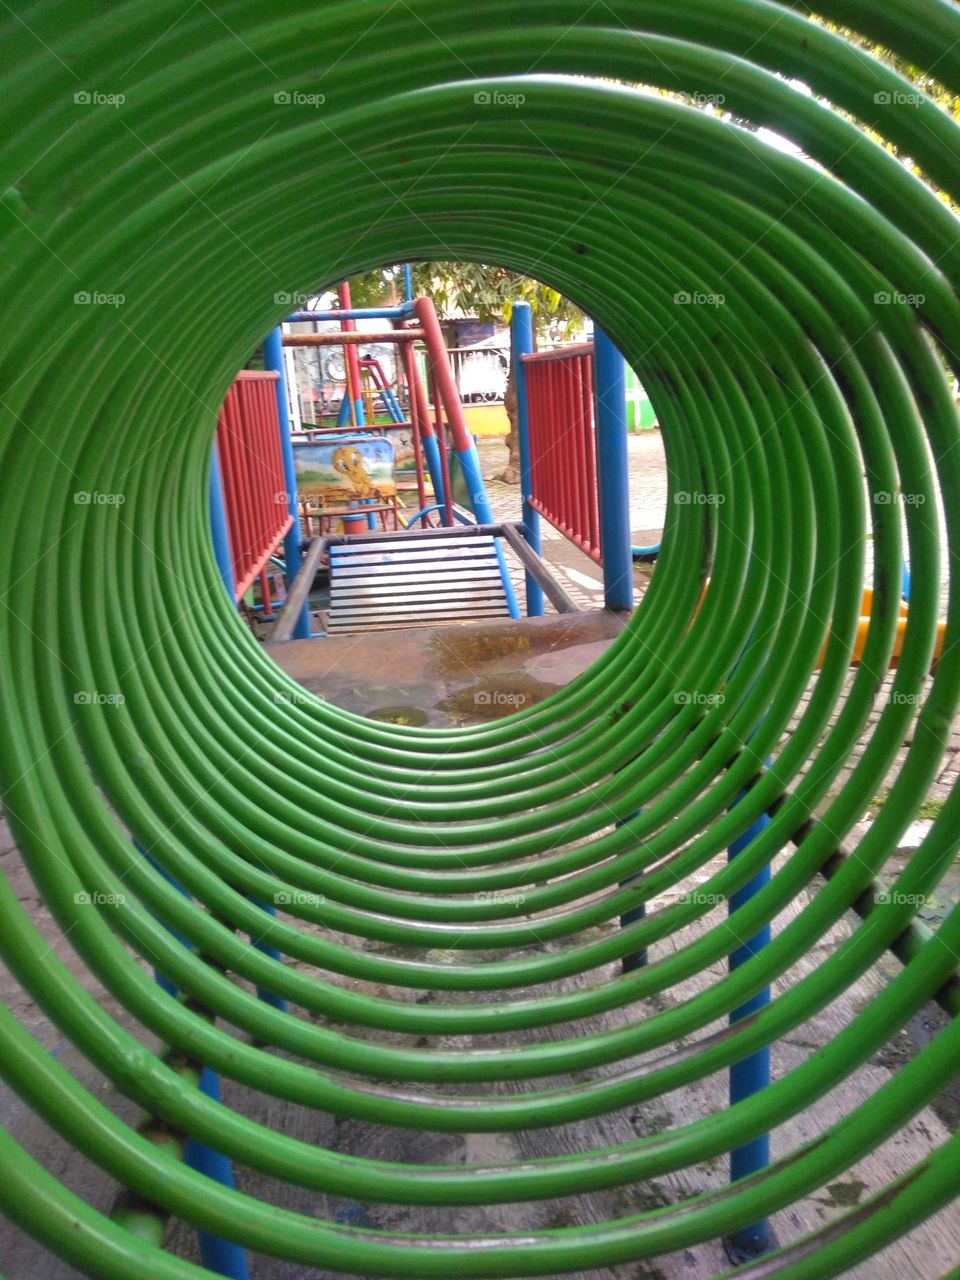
292 543
613 483
521 344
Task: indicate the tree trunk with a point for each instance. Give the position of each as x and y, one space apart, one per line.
511 473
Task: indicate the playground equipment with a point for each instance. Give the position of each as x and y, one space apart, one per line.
349 478
574 470
409 579
788 338
249 513
347 482
334 469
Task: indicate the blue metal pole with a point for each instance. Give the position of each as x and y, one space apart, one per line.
349 313
483 512
221 1256
218 525
268 997
273 359
344 417
636 959
521 344
751 1074
613 481
407 283
392 404
431 456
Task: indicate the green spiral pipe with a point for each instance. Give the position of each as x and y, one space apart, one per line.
262 150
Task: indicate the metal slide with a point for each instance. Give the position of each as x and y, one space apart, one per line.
383 583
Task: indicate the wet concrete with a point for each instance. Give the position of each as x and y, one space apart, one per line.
450 675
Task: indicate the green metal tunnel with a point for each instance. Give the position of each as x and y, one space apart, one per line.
264 150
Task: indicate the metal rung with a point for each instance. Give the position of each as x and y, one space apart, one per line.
424 590
420 578
390 621
417 560
426 546
437 612
371 605
379 584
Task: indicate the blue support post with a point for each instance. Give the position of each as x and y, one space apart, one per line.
613 482
344 418
751 1074
220 1256
483 513
349 313
636 959
521 344
407 283
431 456
392 404
218 524
268 997
273 359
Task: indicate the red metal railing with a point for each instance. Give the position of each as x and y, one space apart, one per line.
563 452
251 471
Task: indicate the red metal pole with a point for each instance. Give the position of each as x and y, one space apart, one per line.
245 484
566 448
349 338
265 599
418 393
444 460
591 455
556 496
443 377
233 484
263 474
583 451
409 358
352 358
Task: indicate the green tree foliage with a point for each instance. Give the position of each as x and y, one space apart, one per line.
923 80
468 288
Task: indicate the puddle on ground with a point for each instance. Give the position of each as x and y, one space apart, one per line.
498 696
458 653
413 716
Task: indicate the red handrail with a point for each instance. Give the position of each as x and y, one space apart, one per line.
563 452
251 470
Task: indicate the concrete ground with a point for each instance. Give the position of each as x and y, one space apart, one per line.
580 575
461 675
